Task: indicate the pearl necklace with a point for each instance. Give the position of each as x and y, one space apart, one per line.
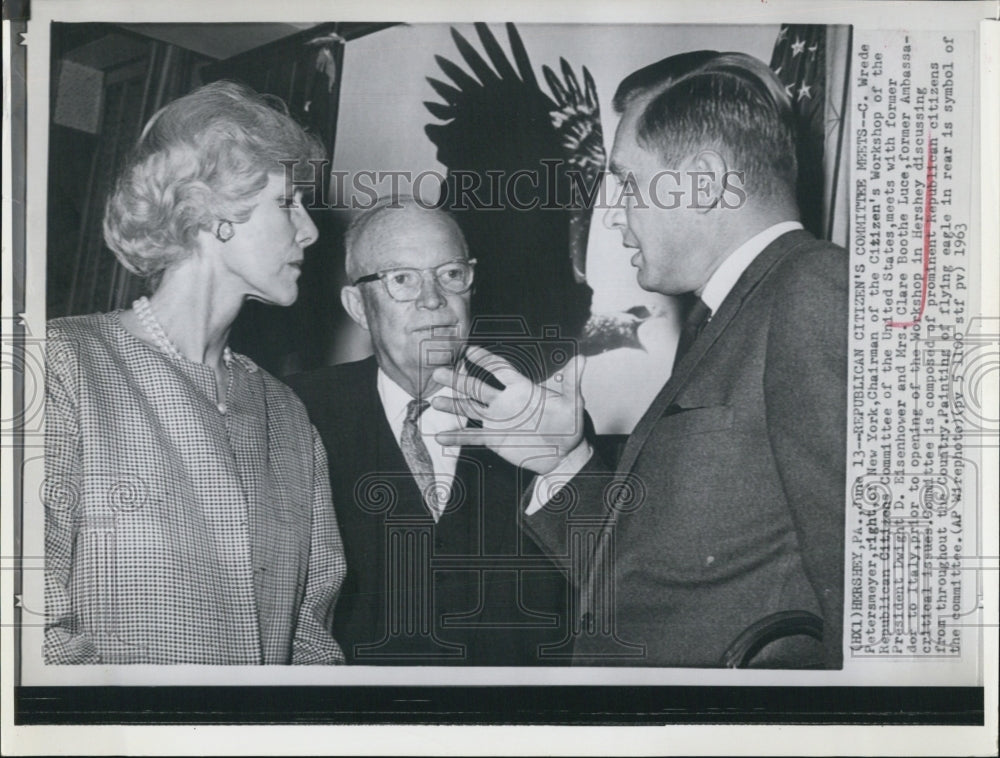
153 329
144 312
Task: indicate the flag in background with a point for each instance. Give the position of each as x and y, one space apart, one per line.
811 61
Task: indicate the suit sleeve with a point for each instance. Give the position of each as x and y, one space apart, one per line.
314 642
581 502
65 640
805 390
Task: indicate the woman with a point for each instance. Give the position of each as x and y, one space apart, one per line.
188 511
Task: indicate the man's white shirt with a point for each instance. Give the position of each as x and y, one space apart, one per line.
718 286
432 421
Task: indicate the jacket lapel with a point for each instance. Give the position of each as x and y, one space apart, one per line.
370 420
249 442
714 329
681 374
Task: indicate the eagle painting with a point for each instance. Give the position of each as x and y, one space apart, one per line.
524 169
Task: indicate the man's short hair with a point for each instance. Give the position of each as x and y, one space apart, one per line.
729 102
384 213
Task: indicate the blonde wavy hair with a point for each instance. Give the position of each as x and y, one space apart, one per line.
199 160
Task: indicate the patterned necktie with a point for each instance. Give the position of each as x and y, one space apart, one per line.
694 322
418 458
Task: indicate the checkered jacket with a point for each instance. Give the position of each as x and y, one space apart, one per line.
175 533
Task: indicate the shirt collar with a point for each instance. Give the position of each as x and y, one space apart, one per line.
724 278
395 399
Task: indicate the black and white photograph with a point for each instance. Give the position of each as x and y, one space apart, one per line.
188 518
632 370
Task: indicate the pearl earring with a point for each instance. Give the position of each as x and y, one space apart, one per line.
224 231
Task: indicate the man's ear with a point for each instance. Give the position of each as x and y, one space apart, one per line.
354 304
709 173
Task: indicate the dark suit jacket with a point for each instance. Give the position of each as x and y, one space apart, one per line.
490 598
739 469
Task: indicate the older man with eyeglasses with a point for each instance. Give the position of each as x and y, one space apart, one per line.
437 571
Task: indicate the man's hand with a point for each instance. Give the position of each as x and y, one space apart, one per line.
527 424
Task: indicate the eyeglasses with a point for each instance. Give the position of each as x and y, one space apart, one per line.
404 284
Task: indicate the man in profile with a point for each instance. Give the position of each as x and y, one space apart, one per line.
437 570
721 538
